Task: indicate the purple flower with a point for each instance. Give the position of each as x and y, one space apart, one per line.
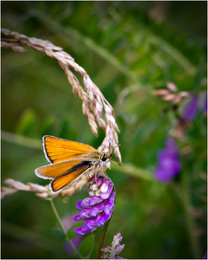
190 109
205 256
96 209
168 162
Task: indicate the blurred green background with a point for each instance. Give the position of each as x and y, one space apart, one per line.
128 49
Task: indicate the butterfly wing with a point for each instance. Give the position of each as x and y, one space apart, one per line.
59 150
66 179
55 170
64 173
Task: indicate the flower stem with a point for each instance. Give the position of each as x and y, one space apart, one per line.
103 238
182 193
190 225
62 228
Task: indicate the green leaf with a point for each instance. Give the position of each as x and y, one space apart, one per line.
87 245
27 123
59 235
47 126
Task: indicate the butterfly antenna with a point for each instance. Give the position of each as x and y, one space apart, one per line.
116 163
118 145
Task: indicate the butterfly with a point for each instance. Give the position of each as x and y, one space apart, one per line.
68 160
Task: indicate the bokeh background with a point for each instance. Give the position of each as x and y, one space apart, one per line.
129 49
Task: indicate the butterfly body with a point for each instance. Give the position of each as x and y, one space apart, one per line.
68 160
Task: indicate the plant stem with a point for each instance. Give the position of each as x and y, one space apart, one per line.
182 193
190 225
103 238
21 140
57 216
132 170
62 228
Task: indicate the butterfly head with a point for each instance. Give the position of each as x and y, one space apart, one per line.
106 157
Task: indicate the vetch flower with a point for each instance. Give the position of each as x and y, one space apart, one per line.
111 252
96 209
169 163
190 109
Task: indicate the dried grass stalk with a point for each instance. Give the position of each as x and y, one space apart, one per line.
94 106
42 191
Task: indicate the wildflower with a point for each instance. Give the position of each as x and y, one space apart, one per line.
190 109
68 222
96 209
111 252
169 163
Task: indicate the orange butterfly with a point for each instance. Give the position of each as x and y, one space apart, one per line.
69 160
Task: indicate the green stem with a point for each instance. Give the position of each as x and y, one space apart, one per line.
103 238
62 228
57 216
20 140
182 193
132 170
190 225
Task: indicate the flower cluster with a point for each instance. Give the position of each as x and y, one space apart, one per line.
168 162
111 252
96 209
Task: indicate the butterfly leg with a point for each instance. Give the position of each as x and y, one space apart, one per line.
96 172
92 172
103 172
88 177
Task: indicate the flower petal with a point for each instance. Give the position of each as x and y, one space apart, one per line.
97 210
91 224
78 205
85 203
104 217
104 186
81 230
107 194
84 214
95 200
108 207
77 217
